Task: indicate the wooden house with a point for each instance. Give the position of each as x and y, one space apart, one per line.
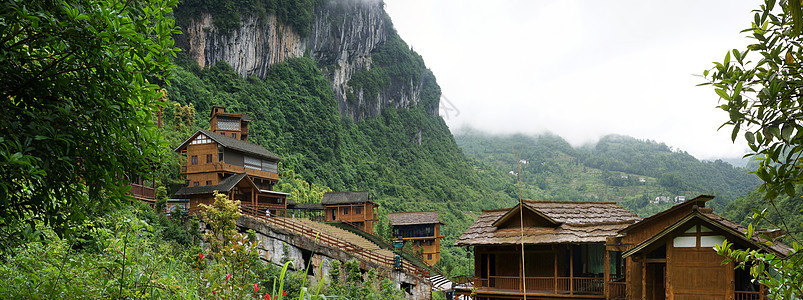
422 230
670 256
598 250
221 159
564 250
353 208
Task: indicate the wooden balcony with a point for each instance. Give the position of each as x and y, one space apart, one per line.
745 295
224 167
142 192
576 287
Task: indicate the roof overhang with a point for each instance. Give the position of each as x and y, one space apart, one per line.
689 220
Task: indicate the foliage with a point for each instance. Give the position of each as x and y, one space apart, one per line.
221 217
294 114
761 95
611 170
759 87
227 15
118 256
79 86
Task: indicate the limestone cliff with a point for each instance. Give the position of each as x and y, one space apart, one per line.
342 38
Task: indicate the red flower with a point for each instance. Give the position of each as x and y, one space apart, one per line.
267 297
201 255
256 287
228 276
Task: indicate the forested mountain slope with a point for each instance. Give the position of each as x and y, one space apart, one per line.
358 112
617 168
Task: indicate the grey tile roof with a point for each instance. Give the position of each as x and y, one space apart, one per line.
223 186
578 222
233 143
345 197
413 218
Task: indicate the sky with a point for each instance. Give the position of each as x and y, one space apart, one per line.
580 69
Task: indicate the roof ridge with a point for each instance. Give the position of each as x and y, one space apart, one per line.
570 201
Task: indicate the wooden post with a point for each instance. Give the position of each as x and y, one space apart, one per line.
644 278
571 269
607 273
556 268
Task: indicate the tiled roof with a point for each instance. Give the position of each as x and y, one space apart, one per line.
232 143
224 185
413 218
756 239
577 222
733 230
345 197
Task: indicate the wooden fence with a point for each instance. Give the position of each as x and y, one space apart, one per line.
332 241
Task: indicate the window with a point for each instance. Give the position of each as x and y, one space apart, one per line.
429 256
345 211
209 182
195 183
209 158
195 159
234 135
358 210
201 139
429 243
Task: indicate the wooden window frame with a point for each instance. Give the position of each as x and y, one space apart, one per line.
194 159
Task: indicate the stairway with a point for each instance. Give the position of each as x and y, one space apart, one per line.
344 235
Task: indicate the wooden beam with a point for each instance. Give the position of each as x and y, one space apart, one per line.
556 268
607 273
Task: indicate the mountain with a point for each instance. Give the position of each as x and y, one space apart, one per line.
333 90
617 168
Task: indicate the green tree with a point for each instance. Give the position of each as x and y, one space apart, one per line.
760 88
78 83
221 217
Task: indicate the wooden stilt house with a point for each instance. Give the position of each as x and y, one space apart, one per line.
598 250
353 208
422 230
221 159
670 255
564 250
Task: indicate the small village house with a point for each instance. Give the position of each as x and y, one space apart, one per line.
670 255
354 208
422 230
221 159
598 250
564 250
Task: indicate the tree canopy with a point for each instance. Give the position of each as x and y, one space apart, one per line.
79 83
760 88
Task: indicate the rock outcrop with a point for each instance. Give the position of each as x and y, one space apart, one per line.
342 38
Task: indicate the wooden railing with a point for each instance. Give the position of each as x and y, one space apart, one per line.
745 295
224 167
142 192
617 290
557 285
332 241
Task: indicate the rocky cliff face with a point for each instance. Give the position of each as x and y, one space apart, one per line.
342 38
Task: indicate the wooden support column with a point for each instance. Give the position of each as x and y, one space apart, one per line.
607 273
571 269
644 278
555 252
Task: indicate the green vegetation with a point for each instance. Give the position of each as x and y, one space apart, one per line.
760 89
395 68
227 15
295 115
78 89
611 170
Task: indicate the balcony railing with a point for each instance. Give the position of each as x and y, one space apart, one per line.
556 285
187 168
745 295
142 192
617 290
